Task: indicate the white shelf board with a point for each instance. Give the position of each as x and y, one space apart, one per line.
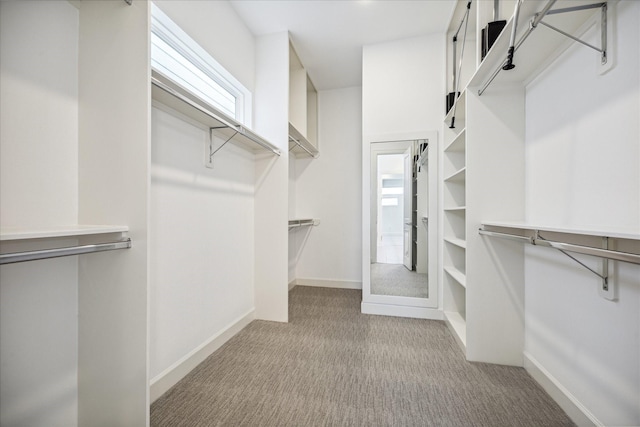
458 176
308 150
170 94
16 233
461 243
457 275
458 144
303 222
538 50
600 232
458 327
456 209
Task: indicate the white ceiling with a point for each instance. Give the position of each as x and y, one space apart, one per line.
328 35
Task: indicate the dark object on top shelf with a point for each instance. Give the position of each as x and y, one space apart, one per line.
450 100
490 33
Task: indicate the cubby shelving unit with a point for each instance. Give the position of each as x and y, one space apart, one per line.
483 170
303 109
454 233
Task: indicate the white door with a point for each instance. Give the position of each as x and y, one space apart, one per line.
408 224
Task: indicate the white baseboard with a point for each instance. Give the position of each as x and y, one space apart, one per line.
174 373
323 283
578 413
402 311
292 284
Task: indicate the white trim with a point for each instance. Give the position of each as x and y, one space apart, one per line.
324 283
292 284
401 311
578 413
162 382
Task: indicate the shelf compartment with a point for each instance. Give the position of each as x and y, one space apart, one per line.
172 95
461 243
454 194
455 257
454 225
458 176
458 327
541 47
457 275
458 143
299 145
459 107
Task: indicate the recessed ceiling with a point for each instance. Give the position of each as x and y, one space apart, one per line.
328 35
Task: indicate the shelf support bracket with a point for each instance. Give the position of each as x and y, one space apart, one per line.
211 150
605 262
603 28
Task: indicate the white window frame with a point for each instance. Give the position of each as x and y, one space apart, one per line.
168 31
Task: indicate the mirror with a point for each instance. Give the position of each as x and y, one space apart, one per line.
399 219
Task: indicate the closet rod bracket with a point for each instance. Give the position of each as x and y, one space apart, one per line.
603 27
211 138
605 262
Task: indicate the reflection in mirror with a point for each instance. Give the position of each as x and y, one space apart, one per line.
399 224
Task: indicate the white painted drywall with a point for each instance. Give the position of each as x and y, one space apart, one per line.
201 219
403 85
39 187
114 151
271 105
201 239
39 88
329 188
583 170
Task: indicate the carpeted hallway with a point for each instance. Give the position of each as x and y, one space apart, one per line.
333 366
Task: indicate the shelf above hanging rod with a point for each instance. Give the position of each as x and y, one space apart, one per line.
177 98
537 240
14 257
539 49
300 144
294 223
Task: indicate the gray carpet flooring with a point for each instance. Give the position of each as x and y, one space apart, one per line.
333 366
396 279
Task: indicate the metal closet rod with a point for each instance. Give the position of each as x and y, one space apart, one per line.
299 144
569 247
14 257
237 128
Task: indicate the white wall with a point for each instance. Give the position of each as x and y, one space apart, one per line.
113 177
271 108
330 188
201 220
403 85
201 235
583 170
39 187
